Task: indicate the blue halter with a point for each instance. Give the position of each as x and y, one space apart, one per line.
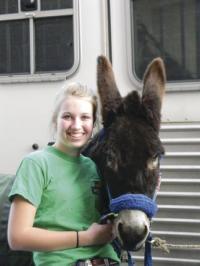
135 202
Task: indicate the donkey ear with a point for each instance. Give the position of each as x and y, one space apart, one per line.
153 91
107 88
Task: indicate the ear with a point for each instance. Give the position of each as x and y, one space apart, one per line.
107 88
153 90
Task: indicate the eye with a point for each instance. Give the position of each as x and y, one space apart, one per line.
153 162
66 116
85 117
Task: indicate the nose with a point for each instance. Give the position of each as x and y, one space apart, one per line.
132 229
76 123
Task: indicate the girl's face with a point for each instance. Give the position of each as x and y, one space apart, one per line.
74 125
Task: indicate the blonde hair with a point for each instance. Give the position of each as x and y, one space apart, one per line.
74 89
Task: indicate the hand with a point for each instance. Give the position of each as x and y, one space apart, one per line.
100 234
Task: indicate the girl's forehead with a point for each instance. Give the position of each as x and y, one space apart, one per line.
75 104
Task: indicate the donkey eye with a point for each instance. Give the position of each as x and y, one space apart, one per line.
153 162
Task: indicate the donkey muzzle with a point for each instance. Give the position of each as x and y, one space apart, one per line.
131 227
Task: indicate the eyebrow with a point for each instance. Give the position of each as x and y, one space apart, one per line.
68 112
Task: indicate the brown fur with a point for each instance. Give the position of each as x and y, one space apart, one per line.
131 126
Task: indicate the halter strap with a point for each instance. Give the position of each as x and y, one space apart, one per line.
134 202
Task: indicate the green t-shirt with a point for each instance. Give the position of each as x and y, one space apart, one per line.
65 191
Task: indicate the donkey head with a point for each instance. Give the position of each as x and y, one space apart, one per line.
128 154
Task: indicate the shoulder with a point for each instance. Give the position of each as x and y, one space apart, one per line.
87 160
37 156
89 164
36 159
33 170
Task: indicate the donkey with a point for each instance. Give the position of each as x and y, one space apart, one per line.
128 148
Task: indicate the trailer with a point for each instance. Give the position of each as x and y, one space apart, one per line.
45 44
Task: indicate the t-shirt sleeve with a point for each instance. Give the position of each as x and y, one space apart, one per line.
29 182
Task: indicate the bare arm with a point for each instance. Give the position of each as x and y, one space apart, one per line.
23 236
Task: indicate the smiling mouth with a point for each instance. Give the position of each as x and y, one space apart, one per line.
75 136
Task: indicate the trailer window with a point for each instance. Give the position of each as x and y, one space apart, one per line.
55 4
10 6
37 37
54 44
14 47
170 29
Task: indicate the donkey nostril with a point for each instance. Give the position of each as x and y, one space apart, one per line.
146 229
120 228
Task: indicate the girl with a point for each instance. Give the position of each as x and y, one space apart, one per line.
55 197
